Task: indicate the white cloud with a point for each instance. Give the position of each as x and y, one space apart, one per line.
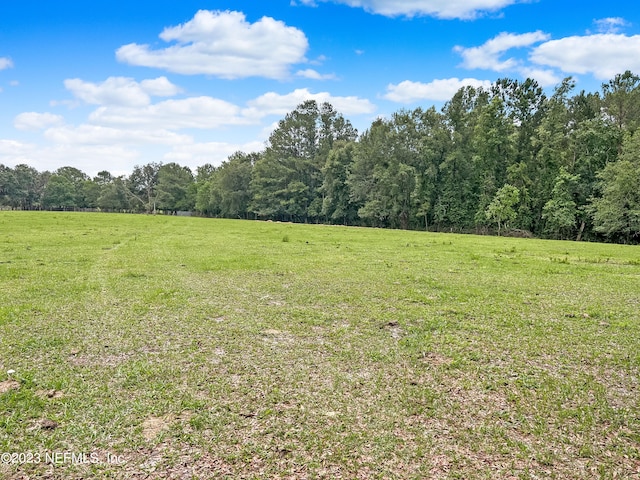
115 158
603 55
544 77
5 63
120 91
610 24
448 9
13 152
160 87
99 135
488 55
193 112
314 75
36 121
275 104
223 44
121 132
197 154
437 90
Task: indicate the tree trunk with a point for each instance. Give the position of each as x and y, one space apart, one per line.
582 225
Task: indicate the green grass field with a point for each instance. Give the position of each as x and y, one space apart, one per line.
165 347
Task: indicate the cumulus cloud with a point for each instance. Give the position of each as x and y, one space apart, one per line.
36 121
160 87
223 44
447 9
437 90
610 24
314 75
488 55
120 91
194 112
5 63
119 159
275 104
13 152
133 131
196 154
603 55
99 135
544 77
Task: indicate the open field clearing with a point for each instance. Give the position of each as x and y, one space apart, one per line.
166 347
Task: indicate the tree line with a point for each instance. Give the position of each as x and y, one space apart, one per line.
506 158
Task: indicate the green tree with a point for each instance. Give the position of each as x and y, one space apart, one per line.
525 105
7 185
175 189
621 100
616 214
203 181
287 179
28 188
90 193
114 196
500 210
369 178
60 192
232 185
560 212
337 204
456 201
77 179
493 152
142 183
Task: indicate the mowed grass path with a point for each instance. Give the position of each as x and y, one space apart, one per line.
200 348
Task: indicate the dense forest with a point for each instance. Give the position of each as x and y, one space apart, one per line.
509 159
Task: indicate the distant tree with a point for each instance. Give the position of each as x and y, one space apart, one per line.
204 203
337 205
232 184
29 186
493 153
456 201
368 175
90 192
142 183
205 172
103 178
77 179
525 105
560 212
621 100
287 179
500 210
60 192
616 214
114 196
7 185
175 189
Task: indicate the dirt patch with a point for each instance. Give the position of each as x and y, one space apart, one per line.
436 359
154 426
44 424
276 336
112 360
8 385
49 393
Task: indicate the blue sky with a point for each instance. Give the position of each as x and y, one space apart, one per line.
109 84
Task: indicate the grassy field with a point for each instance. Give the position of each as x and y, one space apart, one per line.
164 347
